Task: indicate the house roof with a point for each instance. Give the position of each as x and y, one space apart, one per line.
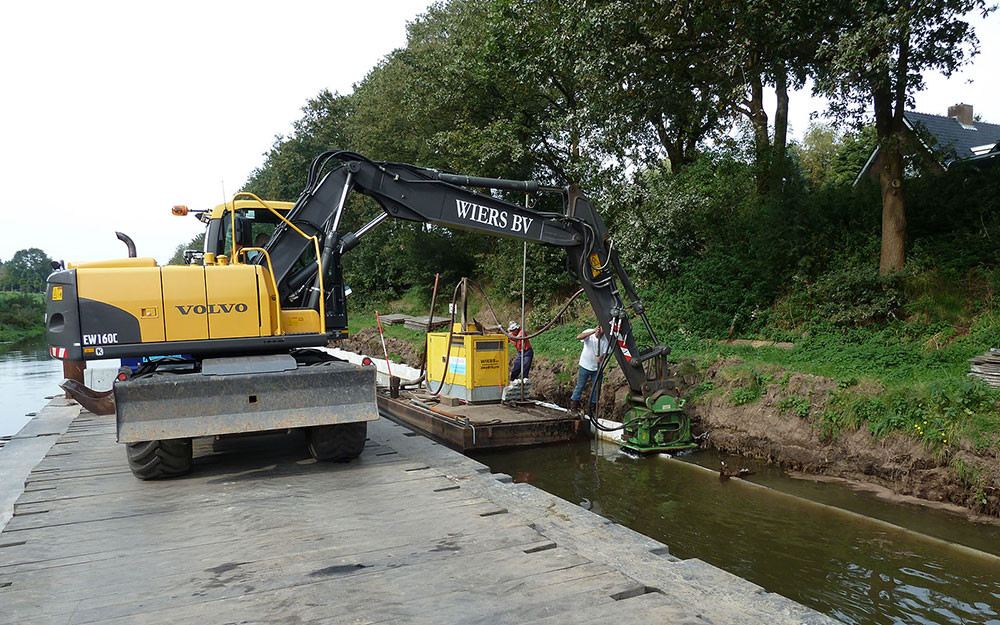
952 138
949 139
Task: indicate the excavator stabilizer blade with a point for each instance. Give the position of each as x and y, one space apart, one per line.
97 402
166 406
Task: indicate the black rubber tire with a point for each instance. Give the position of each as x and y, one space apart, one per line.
337 443
155 460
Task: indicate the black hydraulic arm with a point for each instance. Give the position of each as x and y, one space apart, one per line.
423 195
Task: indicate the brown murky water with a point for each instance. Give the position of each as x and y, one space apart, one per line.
849 567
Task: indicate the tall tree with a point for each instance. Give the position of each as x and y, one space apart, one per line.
541 51
26 271
655 68
771 45
878 58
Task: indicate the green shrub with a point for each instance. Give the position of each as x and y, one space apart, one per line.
797 405
853 295
744 395
22 315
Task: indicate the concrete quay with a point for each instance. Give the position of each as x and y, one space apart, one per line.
411 532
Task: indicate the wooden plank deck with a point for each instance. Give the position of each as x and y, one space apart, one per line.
411 532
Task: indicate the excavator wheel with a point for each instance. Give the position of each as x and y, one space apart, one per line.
337 443
154 460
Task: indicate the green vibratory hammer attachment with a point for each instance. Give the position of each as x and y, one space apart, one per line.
658 424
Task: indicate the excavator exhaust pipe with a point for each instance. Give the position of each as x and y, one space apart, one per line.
129 243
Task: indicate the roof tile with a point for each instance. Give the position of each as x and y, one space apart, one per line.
949 135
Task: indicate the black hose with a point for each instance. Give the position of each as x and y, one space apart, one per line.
447 352
599 383
544 329
430 325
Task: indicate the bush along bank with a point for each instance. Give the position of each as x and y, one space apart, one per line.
22 316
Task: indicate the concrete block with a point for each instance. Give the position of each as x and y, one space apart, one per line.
100 379
448 400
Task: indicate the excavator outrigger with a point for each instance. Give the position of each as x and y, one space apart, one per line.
245 322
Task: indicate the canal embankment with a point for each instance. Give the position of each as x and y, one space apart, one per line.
809 425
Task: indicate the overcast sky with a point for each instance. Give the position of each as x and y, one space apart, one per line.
112 112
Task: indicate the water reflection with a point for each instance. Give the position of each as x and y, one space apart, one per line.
27 376
845 566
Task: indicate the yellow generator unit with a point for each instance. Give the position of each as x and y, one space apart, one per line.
476 365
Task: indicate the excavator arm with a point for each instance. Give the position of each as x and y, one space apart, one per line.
422 195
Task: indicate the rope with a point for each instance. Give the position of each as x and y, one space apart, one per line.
524 280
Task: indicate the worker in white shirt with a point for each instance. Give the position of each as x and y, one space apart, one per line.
595 349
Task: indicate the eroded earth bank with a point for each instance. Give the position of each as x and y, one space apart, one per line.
785 418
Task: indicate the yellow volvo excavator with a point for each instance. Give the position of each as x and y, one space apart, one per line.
227 337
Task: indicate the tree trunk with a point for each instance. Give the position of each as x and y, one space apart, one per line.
780 131
762 143
893 206
892 138
675 149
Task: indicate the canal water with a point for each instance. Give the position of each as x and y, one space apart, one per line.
27 376
844 565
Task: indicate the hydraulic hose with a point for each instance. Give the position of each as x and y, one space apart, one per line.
451 332
544 329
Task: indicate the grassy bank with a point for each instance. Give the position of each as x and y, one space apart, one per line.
907 376
21 316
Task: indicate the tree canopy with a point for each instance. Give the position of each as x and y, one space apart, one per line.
612 96
26 271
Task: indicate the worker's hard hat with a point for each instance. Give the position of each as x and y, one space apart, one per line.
512 326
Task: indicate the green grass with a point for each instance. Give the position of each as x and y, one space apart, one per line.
559 343
896 354
361 320
795 405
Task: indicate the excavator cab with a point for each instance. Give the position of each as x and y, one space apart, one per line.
254 227
255 222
